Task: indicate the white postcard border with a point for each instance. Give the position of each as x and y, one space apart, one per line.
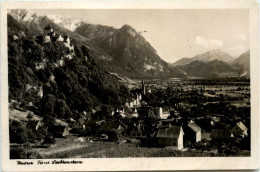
122 164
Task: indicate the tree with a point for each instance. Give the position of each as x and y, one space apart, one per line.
113 134
17 153
48 104
29 116
18 133
31 135
48 140
49 121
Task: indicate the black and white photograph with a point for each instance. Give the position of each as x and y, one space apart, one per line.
128 83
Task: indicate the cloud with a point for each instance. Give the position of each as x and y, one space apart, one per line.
242 37
208 43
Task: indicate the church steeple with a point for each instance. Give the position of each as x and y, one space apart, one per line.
143 87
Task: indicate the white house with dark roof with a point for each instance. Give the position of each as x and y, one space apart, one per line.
192 132
240 130
170 136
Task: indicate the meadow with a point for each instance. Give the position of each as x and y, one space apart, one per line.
71 148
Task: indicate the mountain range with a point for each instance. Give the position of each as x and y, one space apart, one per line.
120 50
126 52
243 59
214 63
212 69
130 51
215 54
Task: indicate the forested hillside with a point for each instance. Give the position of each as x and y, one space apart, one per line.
58 81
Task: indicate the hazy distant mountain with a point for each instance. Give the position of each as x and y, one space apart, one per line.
243 59
215 68
211 55
182 61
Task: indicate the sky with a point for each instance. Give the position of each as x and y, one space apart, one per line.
175 33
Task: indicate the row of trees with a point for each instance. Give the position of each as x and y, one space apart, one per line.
26 135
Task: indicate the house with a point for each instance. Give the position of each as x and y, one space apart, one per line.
48 30
126 113
130 104
214 120
104 137
175 114
47 39
166 122
192 132
121 129
80 124
146 111
98 108
88 115
15 37
60 38
240 130
221 134
61 122
59 131
170 136
134 101
66 39
99 123
163 113
135 114
121 112
34 125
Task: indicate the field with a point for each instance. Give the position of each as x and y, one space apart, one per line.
21 116
71 147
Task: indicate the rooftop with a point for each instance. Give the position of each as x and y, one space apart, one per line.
194 127
170 132
242 126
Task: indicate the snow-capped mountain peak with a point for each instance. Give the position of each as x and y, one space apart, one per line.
28 16
66 22
23 15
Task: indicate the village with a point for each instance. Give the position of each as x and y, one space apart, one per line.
183 118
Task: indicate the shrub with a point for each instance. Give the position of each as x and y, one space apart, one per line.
17 153
48 140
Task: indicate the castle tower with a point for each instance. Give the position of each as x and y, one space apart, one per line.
143 87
